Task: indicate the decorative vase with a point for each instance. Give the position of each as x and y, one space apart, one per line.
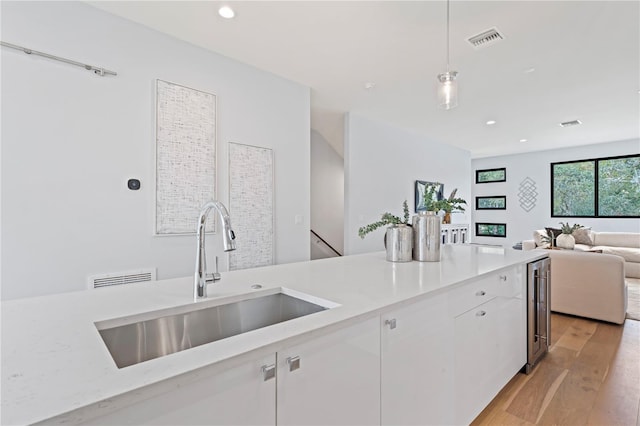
399 241
427 237
565 241
447 217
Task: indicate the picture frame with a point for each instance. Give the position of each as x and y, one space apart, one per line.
185 157
420 187
491 202
491 175
485 229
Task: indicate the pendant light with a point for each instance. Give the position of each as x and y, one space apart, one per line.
448 87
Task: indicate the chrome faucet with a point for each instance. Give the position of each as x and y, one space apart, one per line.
228 241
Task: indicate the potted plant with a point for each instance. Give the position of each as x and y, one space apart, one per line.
386 219
450 204
399 236
566 240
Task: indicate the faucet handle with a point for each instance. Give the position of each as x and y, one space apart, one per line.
216 275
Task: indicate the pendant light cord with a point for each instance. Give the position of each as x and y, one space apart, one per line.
447 35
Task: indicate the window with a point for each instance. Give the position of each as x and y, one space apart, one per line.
603 187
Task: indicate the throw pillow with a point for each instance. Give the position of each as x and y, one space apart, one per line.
553 233
583 236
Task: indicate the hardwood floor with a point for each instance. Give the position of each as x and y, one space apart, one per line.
591 376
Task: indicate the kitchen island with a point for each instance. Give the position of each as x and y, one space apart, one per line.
57 369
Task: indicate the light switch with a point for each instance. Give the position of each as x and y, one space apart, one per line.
298 219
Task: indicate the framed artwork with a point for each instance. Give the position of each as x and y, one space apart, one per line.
491 175
420 187
495 202
491 230
185 157
251 205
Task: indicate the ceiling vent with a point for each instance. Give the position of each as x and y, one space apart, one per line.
570 123
485 38
117 278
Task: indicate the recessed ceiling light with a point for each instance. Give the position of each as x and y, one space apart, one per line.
523 140
226 12
369 85
529 70
491 122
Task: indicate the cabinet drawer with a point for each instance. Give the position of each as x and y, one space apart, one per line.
473 294
511 282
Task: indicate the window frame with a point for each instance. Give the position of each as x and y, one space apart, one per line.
596 190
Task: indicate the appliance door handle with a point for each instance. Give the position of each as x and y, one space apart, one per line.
547 295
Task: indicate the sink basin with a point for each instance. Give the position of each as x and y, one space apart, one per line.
151 338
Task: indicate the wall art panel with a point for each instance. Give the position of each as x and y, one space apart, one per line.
185 157
251 205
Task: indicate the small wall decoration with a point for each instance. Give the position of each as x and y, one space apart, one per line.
419 193
491 175
527 194
251 205
185 157
496 202
491 230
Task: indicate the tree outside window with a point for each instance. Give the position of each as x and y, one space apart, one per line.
605 187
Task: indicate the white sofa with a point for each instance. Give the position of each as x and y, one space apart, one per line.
623 244
590 285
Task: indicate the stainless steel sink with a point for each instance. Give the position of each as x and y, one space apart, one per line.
152 338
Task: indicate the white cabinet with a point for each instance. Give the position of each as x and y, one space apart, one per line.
333 379
330 379
490 342
239 395
417 364
436 361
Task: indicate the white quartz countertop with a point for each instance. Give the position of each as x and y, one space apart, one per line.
54 360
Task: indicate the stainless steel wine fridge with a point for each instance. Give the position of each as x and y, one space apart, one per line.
538 311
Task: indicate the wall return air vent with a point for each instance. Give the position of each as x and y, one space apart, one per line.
486 38
117 278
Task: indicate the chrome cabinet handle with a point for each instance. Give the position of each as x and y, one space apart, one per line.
503 277
481 293
293 362
268 372
391 323
481 313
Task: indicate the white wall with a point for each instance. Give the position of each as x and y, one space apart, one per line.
71 139
327 192
382 163
536 165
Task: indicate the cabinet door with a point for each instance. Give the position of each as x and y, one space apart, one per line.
332 379
490 349
240 395
417 364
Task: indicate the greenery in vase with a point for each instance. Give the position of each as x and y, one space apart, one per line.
568 229
429 198
386 219
451 203
548 239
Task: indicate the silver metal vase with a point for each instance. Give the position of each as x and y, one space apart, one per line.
399 242
427 237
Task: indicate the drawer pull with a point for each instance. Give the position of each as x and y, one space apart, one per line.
268 372
481 313
293 362
503 278
481 293
391 323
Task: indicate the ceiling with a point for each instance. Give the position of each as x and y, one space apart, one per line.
558 61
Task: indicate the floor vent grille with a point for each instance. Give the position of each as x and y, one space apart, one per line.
118 278
486 38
